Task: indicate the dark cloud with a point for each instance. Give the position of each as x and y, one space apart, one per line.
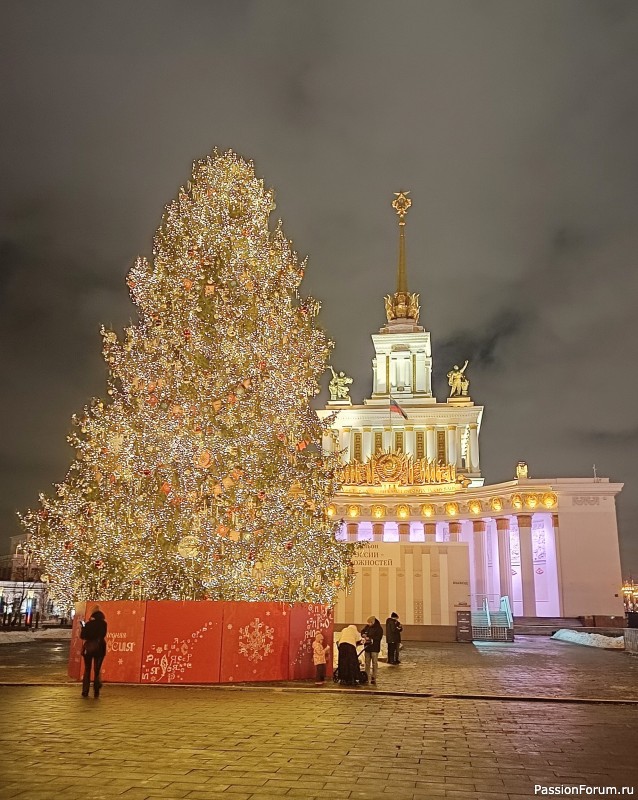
514 125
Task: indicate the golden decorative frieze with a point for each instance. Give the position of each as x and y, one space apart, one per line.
401 470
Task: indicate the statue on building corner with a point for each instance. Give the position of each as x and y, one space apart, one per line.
339 386
521 469
458 381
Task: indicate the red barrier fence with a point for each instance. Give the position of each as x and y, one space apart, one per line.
202 641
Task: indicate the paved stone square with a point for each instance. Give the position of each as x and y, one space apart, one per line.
532 666
153 742
283 741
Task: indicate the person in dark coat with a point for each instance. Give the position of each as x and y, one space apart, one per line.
372 634
93 633
348 661
393 630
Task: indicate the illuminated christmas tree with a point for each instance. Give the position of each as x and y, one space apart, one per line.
202 475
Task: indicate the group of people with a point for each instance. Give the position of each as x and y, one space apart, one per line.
370 637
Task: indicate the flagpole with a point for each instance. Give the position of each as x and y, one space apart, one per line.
390 411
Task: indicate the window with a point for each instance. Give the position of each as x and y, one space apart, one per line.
378 442
441 450
398 442
357 447
420 444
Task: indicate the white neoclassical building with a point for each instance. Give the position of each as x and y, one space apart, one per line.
439 539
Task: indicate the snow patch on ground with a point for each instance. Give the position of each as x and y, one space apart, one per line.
20 637
590 639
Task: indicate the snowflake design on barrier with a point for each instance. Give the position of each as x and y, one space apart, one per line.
256 640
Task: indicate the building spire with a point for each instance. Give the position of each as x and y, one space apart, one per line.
402 307
401 204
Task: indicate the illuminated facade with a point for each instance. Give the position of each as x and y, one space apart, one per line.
411 475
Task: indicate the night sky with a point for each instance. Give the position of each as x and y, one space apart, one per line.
514 125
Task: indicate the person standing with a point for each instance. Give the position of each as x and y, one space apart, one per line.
348 661
372 634
393 630
319 655
93 633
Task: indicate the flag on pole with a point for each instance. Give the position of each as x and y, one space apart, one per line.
394 406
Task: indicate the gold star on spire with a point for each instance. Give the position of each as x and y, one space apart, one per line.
401 205
402 305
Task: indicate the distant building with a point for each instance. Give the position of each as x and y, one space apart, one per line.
22 593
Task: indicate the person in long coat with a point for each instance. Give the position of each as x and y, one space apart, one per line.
348 660
93 633
372 635
393 630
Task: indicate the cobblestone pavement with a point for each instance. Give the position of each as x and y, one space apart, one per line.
530 667
144 743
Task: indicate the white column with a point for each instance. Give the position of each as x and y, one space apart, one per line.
430 442
478 532
366 444
451 444
388 444
352 529
504 558
420 373
382 386
474 448
428 375
527 564
377 531
455 531
344 444
404 379
430 531
393 372
410 441
559 566
404 531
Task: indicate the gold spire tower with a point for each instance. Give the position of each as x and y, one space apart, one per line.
402 306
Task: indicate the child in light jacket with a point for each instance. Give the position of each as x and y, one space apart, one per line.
319 655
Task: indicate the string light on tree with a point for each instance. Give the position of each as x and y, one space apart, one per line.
203 474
